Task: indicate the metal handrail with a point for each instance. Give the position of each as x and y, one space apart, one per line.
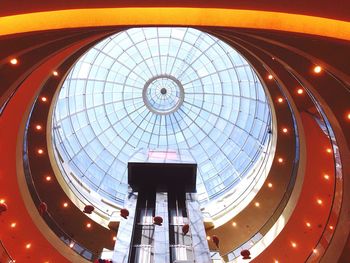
4 254
49 220
326 127
233 254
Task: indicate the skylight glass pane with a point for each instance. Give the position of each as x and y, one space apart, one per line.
161 88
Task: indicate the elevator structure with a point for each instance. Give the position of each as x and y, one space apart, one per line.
165 223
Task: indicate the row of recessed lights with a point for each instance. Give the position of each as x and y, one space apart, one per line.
88 225
308 224
317 69
15 61
280 160
13 225
48 178
29 245
39 127
319 202
40 151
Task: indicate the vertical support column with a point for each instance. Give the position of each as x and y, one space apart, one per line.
125 231
199 240
161 233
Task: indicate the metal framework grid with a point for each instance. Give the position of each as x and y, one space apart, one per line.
101 118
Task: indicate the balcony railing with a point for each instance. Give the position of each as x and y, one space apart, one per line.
49 220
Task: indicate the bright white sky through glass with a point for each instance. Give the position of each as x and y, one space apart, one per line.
161 88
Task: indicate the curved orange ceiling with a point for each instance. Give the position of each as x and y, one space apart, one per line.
218 17
322 8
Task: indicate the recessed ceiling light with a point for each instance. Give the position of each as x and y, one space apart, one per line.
14 61
257 204
280 100
40 151
300 91
319 201
38 127
28 246
329 150
44 99
65 204
284 130
317 69
326 176
294 244
280 160
308 224
88 225
270 77
55 73
13 225
234 224
48 178
269 185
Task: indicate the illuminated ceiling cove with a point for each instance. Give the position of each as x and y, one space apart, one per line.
172 89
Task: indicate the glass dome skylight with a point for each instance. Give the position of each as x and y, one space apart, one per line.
160 88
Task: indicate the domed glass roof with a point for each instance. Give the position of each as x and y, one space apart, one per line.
160 88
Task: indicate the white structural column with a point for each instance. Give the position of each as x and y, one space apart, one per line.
199 240
124 236
161 233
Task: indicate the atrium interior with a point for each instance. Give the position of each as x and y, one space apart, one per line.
178 132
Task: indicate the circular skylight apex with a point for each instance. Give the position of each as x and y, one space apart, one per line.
163 94
177 89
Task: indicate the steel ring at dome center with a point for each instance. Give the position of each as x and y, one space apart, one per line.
163 94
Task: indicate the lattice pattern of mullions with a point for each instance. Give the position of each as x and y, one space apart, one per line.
101 119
